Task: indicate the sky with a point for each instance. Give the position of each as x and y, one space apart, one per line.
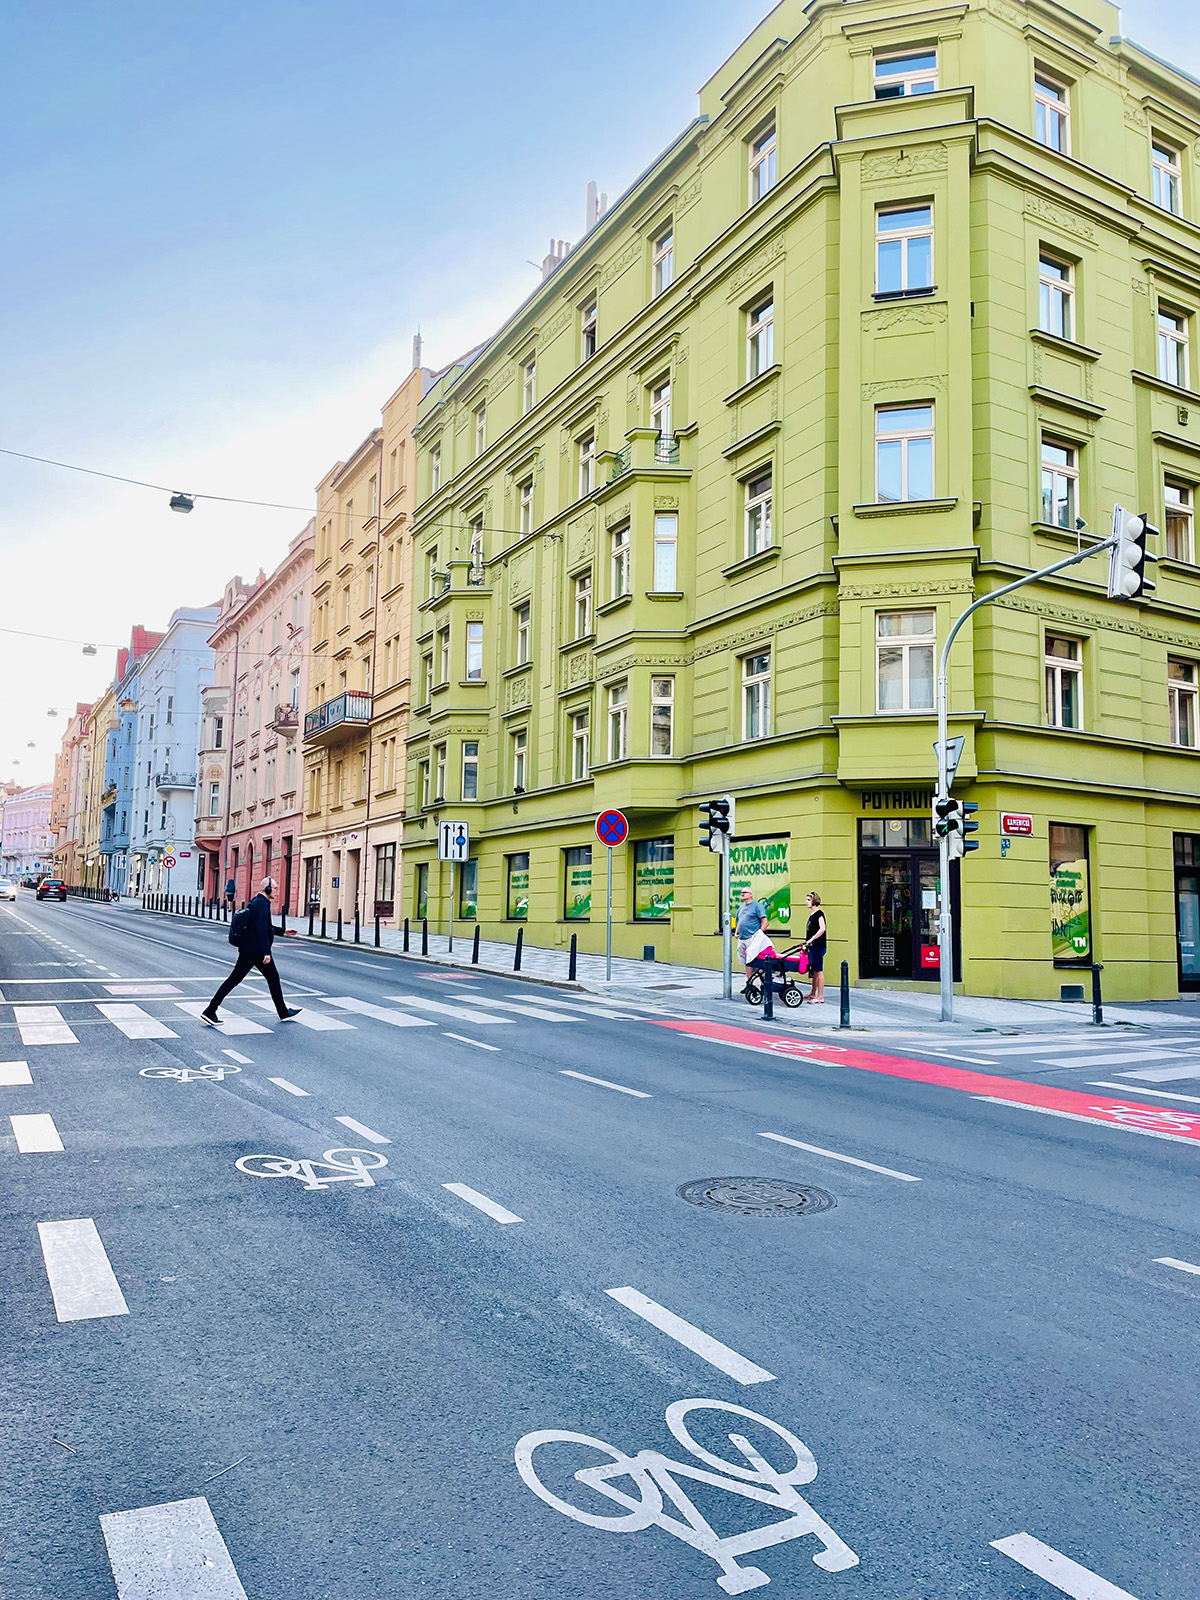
224 224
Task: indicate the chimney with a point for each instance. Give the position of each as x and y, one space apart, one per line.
556 257
416 349
597 205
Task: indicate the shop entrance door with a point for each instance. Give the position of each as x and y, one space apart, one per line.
898 915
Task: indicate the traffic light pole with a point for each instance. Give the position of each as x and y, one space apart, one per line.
726 929
945 919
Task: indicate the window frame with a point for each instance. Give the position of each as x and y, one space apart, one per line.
1052 288
443 654
519 748
660 416
589 323
435 468
905 437
1183 702
762 162
620 561
522 634
1057 105
905 237
585 448
758 511
525 507
470 769
480 432
662 699
617 704
1064 472
473 655
1183 512
439 771
666 537
760 336
1058 669
582 602
756 694
905 644
662 260
1173 345
581 753
905 80
1166 177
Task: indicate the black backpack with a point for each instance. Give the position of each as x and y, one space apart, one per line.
240 926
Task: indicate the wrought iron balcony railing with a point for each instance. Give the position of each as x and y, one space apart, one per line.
351 707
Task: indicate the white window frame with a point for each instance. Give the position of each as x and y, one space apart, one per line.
618 720
474 656
475 548
521 634
1179 500
1174 364
525 521
762 155
427 678
439 772
480 429
422 784
756 695
586 450
435 469
520 758
1166 177
760 337
905 644
905 237
1056 294
905 437
1183 698
580 745
1058 670
443 655
589 314
662 260
758 510
431 567
583 604
528 385
1051 110
620 561
660 416
470 769
214 799
662 717
1062 476
666 552
908 83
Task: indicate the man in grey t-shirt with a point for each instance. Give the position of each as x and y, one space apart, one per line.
751 917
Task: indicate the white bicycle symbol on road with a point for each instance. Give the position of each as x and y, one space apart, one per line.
656 1475
341 1166
189 1074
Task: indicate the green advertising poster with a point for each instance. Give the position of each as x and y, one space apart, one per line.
653 877
1070 909
577 895
518 887
763 867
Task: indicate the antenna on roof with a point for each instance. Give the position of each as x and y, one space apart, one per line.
597 205
416 349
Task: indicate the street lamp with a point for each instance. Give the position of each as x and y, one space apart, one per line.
182 502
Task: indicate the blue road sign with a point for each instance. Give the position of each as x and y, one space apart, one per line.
612 828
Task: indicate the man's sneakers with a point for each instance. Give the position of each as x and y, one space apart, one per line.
290 1016
210 1018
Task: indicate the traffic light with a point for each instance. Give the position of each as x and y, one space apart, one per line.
947 816
1127 572
716 822
964 844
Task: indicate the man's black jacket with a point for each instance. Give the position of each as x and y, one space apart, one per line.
260 935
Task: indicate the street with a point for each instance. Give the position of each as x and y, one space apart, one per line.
387 1289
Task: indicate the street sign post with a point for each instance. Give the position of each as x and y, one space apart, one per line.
454 846
612 830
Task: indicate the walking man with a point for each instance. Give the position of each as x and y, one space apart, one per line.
751 918
254 950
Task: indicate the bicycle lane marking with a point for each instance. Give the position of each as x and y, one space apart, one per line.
1182 1127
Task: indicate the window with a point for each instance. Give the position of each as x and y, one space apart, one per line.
904 250
618 721
480 415
587 464
1051 114
435 469
583 605
214 799
1060 484
426 678
370 588
521 622
904 643
421 890
577 884
162 821
903 453
475 550
474 651
218 733
662 261
1172 347
653 878
1056 295
314 789
1179 532
470 769
1064 681
660 417
423 784
394 470
756 695
579 745
666 539
443 655
758 513
517 899
170 709
520 750
901 75
339 782
587 329
431 573
1181 694
620 561
526 514
439 771
1165 177
372 497
385 874
529 385
762 163
760 338
468 890
662 715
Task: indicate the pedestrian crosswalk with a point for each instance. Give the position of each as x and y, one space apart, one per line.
1165 1058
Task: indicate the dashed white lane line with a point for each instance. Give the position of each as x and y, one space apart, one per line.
1180 1266
482 1203
1156 1094
364 1008
316 1020
702 1344
362 1130
852 1161
13 1073
35 1131
234 1055
460 1013
603 1083
82 1280
170 1552
1066 1575
133 1022
42 1025
290 1087
478 1043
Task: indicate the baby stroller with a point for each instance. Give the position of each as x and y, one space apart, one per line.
786 967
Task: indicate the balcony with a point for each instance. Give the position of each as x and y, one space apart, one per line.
351 709
286 719
174 780
109 797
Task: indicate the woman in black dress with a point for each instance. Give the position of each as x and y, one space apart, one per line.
814 942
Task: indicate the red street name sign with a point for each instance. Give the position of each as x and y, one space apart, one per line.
1016 823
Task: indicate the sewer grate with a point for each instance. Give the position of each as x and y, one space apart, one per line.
756 1197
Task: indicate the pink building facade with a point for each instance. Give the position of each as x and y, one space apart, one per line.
26 839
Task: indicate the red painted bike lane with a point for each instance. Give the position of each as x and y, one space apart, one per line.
1183 1127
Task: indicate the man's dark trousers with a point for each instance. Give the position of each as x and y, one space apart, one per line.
245 964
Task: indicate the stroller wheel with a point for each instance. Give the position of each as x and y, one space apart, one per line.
754 991
793 995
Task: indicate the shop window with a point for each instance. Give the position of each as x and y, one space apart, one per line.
653 879
1064 682
385 878
904 646
517 895
1070 895
1187 908
577 884
421 904
468 890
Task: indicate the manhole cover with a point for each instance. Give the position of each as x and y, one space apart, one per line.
756 1197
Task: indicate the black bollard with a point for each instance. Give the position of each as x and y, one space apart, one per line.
844 1020
768 1010
356 924
475 947
283 919
571 967
517 954
424 936
312 917
406 936
339 932
322 922
1097 1007
377 933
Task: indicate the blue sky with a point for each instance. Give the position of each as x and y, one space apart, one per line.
223 224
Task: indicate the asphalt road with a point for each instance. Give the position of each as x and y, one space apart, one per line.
326 1388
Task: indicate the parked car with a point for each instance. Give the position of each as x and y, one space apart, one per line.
52 889
8 889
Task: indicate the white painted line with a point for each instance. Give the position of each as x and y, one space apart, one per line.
478 1043
712 1350
371 966
290 1087
135 1023
1157 1094
363 1008
242 1061
42 1025
853 1161
229 1023
1180 1266
145 989
35 1131
363 1131
949 1055
13 1073
460 1013
1158 1074
481 1201
1108 1059
82 1280
170 1552
316 1020
1092 1122
523 1010
584 1011
1065 1575
639 1094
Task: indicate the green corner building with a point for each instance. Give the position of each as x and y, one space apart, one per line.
896 320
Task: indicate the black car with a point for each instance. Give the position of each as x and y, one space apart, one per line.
52 889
